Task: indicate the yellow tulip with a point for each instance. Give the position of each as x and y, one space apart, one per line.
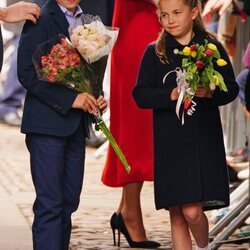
221 62
212 46
216 80
186 51
193 54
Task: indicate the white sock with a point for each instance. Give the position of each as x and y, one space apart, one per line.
203 248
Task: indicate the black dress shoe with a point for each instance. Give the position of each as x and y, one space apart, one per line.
133 244
113 224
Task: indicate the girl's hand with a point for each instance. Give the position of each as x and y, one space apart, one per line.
174 94
102 104
203 92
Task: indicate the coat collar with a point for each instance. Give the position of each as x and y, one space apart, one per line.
57 14
197 38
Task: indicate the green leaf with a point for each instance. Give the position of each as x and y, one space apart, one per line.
193 68
222 84
210 77
216 54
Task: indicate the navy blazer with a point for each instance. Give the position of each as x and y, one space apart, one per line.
47 108
102 8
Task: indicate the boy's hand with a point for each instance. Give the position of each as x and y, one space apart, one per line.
102 104
86 102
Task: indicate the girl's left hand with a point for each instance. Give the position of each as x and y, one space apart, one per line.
203 92
102 104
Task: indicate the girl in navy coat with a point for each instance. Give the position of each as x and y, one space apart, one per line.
190 164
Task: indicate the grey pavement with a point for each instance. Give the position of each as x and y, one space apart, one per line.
90 223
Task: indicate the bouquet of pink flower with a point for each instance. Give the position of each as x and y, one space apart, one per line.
58 62
93 40
62 64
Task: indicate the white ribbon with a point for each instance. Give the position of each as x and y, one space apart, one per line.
183 88
191 110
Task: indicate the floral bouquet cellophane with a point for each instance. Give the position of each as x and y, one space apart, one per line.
93 39
80 68
58 62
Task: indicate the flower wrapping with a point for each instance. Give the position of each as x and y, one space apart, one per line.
197 69
58 62
93 39
80 67
94 42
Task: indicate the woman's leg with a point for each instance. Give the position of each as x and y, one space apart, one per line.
131 211
197 222
179 229
121 203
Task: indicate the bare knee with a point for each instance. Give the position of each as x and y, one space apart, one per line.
176 216
192 213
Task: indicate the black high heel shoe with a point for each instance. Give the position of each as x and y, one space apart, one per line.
133 244
113 224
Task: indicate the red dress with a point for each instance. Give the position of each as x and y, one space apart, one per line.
131 126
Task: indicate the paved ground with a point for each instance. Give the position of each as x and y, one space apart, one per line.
91 222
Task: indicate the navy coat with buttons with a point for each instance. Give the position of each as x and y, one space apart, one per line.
47 108
189 160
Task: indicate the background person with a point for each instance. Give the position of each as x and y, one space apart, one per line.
131 126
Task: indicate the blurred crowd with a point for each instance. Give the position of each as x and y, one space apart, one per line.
230 22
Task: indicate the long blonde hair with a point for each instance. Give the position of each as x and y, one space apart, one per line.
160 47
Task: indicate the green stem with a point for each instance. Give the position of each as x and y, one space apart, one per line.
115 146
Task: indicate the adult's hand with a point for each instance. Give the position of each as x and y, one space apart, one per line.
212 6
20 11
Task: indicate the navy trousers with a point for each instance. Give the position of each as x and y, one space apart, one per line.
57 167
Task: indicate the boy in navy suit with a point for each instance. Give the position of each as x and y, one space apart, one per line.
55 123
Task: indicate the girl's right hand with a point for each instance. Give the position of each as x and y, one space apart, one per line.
174 94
